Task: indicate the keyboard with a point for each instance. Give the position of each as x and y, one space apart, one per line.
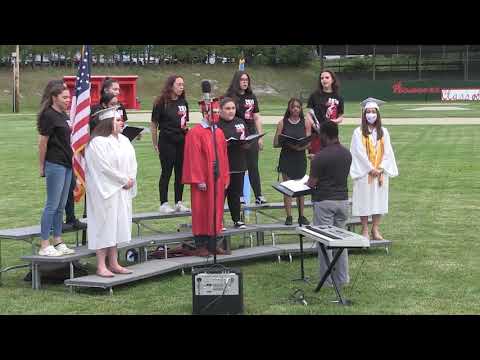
334 237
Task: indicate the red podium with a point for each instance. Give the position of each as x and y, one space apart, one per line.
128 89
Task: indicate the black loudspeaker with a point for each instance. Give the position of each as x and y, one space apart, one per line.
217 291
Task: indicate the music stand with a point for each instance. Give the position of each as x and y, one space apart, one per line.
294 194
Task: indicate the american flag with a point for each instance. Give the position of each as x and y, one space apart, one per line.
80 116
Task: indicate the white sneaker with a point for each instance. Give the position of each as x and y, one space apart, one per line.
239 225
261 200
166 209
49 251
64 249
180 207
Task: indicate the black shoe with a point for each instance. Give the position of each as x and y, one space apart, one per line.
302 220
289 220
67 227
77 225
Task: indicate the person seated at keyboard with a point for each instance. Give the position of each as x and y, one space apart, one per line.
328 178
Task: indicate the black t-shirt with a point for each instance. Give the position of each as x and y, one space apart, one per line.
55 125
331 167
247 105
97 107
321 101
171 119
236 154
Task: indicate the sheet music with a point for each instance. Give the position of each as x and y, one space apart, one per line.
297 185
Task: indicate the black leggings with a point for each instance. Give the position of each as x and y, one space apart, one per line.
233 194
70 205
171 157
252 167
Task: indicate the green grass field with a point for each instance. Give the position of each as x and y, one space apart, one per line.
432 267
273 86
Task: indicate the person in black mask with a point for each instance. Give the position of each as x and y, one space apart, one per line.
234 127
240 91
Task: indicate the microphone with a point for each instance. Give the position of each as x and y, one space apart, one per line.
206 90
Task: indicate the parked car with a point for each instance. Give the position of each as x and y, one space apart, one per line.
38 60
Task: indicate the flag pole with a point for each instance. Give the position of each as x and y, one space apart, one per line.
84 231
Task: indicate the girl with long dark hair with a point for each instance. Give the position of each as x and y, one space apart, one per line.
110 86
55 164
170 115
325 104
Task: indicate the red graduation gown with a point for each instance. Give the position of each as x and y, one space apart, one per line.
199 156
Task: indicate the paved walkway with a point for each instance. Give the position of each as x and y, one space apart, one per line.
144 116
195 118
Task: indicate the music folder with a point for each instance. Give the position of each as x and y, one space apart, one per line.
295 141
249 139
294 188
131 132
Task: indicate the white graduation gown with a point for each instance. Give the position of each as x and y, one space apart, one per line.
370 199
110 162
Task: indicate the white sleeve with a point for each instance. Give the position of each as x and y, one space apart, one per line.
388 164
107 178
132 166
361 166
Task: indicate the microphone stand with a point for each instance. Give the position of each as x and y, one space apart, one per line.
216 175
211 116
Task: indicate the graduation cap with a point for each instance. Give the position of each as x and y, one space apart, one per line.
371 102
106 113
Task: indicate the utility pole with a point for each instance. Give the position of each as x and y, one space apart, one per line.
16 80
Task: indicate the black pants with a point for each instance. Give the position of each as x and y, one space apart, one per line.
252 167
70 205
233 194
171 157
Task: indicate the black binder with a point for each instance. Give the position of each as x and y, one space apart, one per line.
131 132
248 140
295 141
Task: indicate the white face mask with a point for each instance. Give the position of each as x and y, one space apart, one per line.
371 117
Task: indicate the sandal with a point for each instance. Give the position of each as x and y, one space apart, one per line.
122 271
105 275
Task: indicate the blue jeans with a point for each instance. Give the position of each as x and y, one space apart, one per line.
58 179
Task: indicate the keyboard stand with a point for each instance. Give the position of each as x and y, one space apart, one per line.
331 265
302 269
